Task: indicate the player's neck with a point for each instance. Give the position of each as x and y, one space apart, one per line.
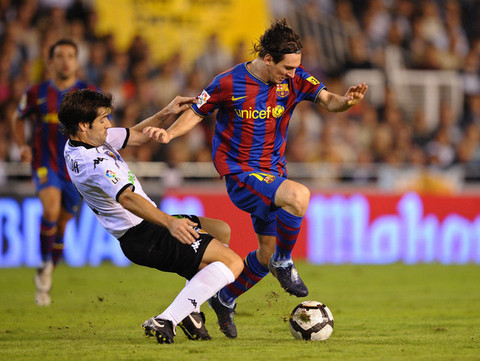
63 84
258 68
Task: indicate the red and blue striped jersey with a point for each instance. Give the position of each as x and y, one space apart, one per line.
40 104
253 117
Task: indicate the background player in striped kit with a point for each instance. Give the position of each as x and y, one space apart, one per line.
255 101
60 200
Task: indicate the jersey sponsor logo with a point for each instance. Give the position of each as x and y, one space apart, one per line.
278 111
282 90
260 114
112 176
264 177
202 98
237 98
97 161
50 118
312 80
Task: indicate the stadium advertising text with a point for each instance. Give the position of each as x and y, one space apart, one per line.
337 229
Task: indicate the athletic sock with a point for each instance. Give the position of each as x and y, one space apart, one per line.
57 250
288 228
201 287
48 232
253 272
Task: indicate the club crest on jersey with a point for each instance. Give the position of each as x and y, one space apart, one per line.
112 176
202 98
282 90
111 154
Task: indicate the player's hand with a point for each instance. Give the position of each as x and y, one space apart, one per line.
182 229
159 134
179 104
355 94
26 153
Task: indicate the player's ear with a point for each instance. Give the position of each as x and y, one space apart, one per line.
268 59
83 126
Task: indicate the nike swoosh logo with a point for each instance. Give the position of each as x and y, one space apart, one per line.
237 98
156 323
195 323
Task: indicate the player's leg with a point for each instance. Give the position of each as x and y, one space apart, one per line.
70 203
50 198
293 199
219 267
254 270
252 192
58 244
217 228
207 263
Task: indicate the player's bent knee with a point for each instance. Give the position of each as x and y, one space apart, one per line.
216 251
224 232
236 265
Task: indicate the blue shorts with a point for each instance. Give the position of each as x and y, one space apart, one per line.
44 177
254 192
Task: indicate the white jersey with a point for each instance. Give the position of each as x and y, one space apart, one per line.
100 176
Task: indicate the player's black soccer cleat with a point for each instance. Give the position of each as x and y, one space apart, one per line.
194 326
286 273
225 316
162 329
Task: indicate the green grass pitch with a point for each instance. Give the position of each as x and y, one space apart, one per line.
388 312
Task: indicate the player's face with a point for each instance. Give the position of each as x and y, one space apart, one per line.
284 69
97 132
64 63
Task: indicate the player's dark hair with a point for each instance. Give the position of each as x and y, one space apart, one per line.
81 106
51 50
279 39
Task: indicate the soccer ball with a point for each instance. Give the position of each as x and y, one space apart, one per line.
311 320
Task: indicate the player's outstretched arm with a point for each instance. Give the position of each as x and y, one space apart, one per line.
182 125
338 103
176 106
181 229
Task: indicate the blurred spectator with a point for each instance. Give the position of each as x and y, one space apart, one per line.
385 35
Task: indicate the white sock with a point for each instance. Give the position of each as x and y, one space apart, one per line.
197 309
201 287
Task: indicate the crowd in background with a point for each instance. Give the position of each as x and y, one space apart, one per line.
433 35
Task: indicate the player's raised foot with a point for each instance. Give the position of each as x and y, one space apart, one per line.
286 273
43 283
162 329
225 315
194 326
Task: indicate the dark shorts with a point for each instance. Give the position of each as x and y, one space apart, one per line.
254 192
151 245
45 177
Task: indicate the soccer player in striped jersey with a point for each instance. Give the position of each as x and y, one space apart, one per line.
39 105
255 101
